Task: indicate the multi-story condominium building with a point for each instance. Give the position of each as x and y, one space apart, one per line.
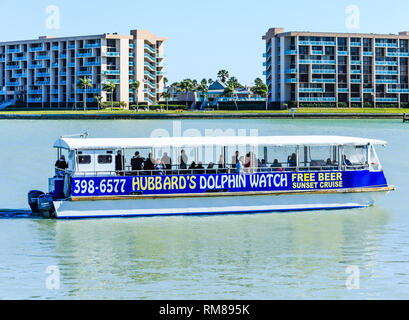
45 72
341 69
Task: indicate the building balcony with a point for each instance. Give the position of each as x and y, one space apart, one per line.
12 67
386 63
63 56
311 90
317 52
116 81
343 90
291 52
71 64
63 82
71 46
308 61
356 99
2 59
42 83
149 57
147 73
368 90
54 48
147 64
323 71
13 50
111 72
63 73
12 83
131 63
92 63
317 43
90 90
356 62
386 72
386 45
54 91
54 65
35 66
149 48
23 58
387 81
355 44
367 54
20 75
317 99
291 71
34 100
92 45
356 71
291 80
84 55
36 49
35 91
43 57
112 54
42 74
398 54
387 100
343 53
324 80
84 73
356 81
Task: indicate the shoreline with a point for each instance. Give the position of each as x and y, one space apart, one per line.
191 115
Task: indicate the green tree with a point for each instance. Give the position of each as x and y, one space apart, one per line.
134 86
186 86
84 84
98 99
110 87
234 82
166 95
223 75
203 88
260 89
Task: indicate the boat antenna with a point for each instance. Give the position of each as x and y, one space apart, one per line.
81 135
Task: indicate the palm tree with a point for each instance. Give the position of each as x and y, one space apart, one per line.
134 86
110 86
203 88
260 89
223 75
229 92
234 82
98 99
186 86
166 95
84 83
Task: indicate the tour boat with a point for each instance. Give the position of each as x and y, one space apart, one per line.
230 175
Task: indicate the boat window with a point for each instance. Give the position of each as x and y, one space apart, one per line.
319 157
104 159
373 160
355 157
84 159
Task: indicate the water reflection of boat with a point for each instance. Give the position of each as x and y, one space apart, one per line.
292 173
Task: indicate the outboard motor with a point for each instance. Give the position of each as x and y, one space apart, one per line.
46 205
33 196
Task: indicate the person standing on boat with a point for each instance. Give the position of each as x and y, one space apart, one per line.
119 162
60 166
137 162
183 160
149 164
168 162
235 158
240 166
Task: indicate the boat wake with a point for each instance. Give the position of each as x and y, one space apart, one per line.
16 214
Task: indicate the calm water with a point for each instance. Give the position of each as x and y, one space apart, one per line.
266 256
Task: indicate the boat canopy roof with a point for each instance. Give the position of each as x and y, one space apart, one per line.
135 143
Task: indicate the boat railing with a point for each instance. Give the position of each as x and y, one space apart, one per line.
221 170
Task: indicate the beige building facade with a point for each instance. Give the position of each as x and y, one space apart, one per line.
342 69
45 72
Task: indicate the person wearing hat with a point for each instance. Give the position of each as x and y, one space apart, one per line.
60 166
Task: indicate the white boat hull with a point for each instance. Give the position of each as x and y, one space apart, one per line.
214 205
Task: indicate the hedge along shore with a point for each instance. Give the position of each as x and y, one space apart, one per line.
197 115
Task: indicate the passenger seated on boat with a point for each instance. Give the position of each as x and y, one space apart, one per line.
119 162
262 165
149 165
221 166
192 168
346 162
137 162
235 159
168 162
276 165
159 168
183 160
60 166
200 169
210 169
328 165
240 166
292 161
